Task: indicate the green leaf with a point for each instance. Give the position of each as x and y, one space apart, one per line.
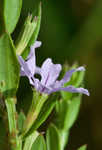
39 143
73 111
80 78
67 112
25 34
45 112
9 67
66 95
83 147
36 30
12 9
21 119
30 140
53 138
64 136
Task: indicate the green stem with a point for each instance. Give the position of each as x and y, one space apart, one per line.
37 103
15 141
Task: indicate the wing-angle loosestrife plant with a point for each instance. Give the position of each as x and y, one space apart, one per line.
21 128
49 73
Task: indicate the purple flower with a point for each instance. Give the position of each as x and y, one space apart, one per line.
49 73
28 67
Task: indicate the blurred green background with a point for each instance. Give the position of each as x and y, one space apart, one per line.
71 31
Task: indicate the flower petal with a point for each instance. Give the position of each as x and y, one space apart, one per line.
24 68
39 87
35 45
31 60
71 89
49 72
37 70
67 76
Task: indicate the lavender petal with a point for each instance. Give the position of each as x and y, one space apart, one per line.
31 59
35 45
39 87
49 72
68 75
24 68
71 89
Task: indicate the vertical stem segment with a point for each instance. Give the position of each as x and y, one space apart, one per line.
15 141
37 103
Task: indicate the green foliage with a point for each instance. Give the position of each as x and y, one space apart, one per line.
44 113
22 129
20 121
39 143
36 31
67 112
9 67
11 13
53 138
76 80
30 140
35 108
83 147
64 136
66 115
25 34
34 35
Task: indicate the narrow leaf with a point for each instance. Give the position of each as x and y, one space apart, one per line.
39 143
73 111
64 136
36 30
53 138
21 119
9 67
67 112
25 34
12 9
30 140
83 147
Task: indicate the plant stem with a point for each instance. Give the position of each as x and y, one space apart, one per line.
37 103
15 141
